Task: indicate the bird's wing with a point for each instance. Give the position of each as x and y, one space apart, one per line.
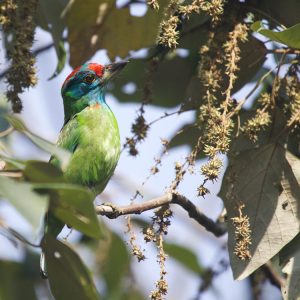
68 138
69 135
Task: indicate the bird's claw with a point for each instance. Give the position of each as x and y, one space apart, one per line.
115 210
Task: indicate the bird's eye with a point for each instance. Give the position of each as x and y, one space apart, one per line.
90 78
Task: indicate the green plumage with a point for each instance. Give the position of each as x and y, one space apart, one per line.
93 137
90 133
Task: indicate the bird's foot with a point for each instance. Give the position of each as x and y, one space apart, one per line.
114 210
113 206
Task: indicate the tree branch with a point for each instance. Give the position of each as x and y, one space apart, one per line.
273 276
284 51
111 211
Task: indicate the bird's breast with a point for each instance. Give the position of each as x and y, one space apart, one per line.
98 149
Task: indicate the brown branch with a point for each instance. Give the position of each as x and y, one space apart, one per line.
284 51
273 276
111 211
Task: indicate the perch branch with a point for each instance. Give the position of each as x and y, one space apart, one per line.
111 211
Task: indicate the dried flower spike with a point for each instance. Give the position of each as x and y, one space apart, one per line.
242 235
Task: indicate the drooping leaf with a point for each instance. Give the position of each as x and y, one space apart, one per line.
140 222
68 276
291 289
253 55
12 163
283 12
12 235
184 256
49 17
100 25
40 171
186 135
265 180
115 266
4 109
290 261
133 294
288 37
73 205
62 57
16 282
194 32
62 154
22 196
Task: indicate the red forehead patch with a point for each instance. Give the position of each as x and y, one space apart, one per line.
98 69
72 73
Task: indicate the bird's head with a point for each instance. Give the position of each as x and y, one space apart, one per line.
85 85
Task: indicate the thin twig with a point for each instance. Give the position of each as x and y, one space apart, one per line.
11 173
242 102
6 131
111 211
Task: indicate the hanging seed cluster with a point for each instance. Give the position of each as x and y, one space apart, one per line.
155 233
17 19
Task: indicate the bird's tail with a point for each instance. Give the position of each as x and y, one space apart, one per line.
52 226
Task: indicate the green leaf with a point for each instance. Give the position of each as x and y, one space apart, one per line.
62 154
265 180
194 32
16 123
115 266
49 17
165 92
290 260
284 12
140 222
22 196
40 171
12 162
184 256
188 135
73 205
16 282
4 109
288 37
68 276
100 25
62 57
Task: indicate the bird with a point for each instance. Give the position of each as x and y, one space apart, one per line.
90 132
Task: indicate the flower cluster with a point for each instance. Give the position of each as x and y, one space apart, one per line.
214 8
292 89
169 32
242 235
153 4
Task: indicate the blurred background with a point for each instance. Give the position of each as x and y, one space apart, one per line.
200 267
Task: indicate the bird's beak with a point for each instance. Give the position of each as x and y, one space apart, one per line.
113 69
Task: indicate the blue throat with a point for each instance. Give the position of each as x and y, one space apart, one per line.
73 105
96 96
